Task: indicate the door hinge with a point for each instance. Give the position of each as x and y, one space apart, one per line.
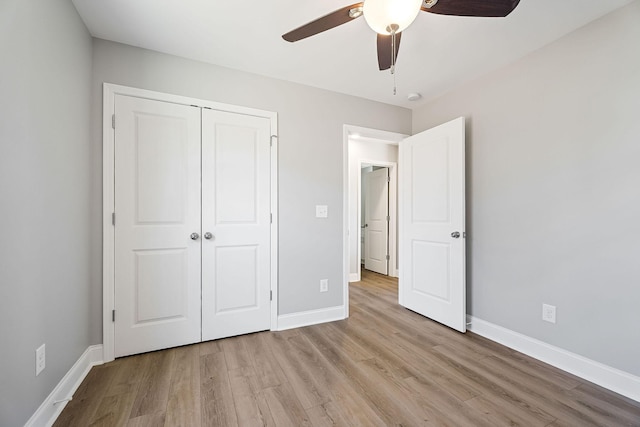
464 234
113 218
388 257
388 218
388 179
113 121
271 218
113 315
270 295
271 140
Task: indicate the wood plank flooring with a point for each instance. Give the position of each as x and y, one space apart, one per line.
384 366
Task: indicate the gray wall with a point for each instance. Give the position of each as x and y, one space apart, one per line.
553 190
310 156
44 199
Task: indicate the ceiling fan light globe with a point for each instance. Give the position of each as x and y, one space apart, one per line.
381 14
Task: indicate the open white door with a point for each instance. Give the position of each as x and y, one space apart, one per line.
376 221
432 224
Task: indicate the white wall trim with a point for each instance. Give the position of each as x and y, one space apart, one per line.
49 410
311 317
108 170
345 220
354 277
274 221
605 376
108 232
374 135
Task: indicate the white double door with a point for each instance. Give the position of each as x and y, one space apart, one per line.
192 224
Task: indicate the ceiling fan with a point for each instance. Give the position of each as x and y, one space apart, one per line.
388 18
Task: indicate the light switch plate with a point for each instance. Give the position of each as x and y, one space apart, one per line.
322 211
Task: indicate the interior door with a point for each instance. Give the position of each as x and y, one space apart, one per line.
157 205
432 224
376 216
236 222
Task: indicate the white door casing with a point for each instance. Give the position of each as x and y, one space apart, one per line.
432 224
157 199
377 221
236 211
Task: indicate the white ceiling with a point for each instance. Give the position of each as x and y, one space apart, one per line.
437 52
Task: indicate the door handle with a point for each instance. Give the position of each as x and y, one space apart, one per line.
366 225
194 236
208 236
455 234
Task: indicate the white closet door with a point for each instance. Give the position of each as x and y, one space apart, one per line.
236 213
157 206
377 221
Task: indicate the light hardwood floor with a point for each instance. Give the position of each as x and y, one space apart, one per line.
383 366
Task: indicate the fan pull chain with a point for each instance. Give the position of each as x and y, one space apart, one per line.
393 58
394 84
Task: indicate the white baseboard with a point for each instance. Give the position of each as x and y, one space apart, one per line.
49 411
355 277
605 376
311 317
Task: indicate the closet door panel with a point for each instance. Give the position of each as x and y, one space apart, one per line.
157 207
236 212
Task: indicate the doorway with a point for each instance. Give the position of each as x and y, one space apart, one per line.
364 147
367 147
431 201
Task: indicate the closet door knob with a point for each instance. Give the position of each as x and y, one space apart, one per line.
208 236
194 236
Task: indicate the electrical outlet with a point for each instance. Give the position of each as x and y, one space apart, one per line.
549 313
40 359
324 285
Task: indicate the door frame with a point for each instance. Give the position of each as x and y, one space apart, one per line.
361 133
108 192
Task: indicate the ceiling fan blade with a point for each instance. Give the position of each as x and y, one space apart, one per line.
339 17
485 8
384 50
